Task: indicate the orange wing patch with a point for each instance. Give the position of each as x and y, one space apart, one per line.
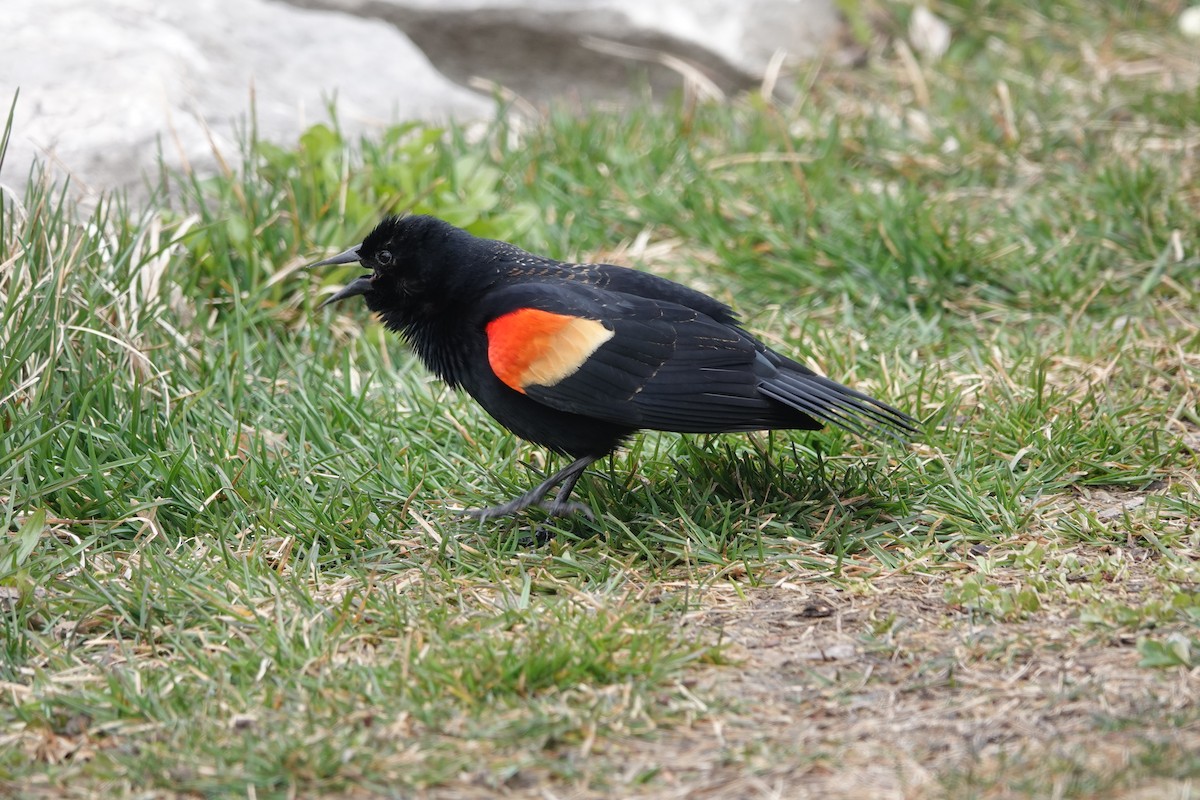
528 347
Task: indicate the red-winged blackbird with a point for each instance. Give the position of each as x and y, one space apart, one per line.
577 357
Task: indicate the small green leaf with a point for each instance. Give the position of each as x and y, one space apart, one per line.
1175 651
27 538
320 141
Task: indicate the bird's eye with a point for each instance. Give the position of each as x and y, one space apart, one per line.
384 258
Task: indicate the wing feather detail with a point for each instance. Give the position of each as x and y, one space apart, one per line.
531 347
650 363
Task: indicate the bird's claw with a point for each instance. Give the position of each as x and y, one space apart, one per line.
567 508
553 508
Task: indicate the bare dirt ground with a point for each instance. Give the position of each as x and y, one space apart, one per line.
894 692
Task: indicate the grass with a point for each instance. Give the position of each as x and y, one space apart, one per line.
229 562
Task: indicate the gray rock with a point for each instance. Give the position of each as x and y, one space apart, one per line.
105 85
541 49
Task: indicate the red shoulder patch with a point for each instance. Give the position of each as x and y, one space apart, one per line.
530 347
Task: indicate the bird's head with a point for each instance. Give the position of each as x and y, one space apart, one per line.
407 256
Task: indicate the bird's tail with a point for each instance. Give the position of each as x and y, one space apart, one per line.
835 404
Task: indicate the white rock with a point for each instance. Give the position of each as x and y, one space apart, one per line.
928 33
533 46
1189 22
104 85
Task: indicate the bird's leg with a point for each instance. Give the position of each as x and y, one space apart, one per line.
560 506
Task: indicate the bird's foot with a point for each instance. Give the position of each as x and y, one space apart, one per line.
560 506
567 508
491 512
553 508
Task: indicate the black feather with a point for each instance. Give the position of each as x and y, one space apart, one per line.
677 359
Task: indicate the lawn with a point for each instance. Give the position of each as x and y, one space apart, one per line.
230 563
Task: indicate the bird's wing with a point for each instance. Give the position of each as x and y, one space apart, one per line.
636 361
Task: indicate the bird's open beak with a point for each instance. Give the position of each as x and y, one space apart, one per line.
355 287
348 257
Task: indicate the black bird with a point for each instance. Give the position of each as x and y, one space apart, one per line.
577 357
